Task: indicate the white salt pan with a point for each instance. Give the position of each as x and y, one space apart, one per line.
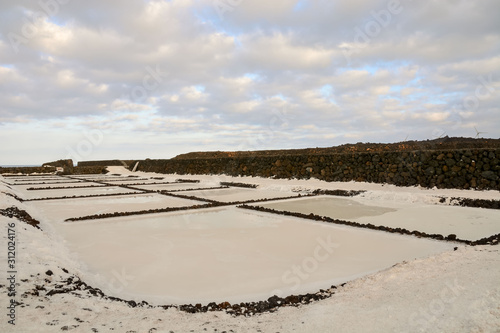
467 223
230 254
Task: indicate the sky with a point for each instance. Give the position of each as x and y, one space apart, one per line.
136 79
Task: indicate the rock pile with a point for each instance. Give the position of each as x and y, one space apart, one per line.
468 202
21 215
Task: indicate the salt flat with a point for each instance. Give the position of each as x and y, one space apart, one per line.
467 223
229 254
172 187
44 181
97 177
239 194
129 181
57 211
100 190
23 187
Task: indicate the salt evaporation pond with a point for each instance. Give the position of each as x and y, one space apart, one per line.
229 254
58 211
69 192
465 222
58 184
132 181
173 187
239 194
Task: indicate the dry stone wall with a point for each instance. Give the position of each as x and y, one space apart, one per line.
27 170
100 163
463 169
88 170
75 170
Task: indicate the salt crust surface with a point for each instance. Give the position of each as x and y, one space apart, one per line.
465 222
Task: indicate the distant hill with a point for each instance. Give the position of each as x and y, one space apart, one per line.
436 144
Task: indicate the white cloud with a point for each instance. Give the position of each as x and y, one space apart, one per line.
264 74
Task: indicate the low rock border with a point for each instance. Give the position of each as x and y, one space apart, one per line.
65 187
468 202
180 180
141 212
234 184
73 285
341 193
84 196
22 175
14 196
45 181
146 184
196 189
122 179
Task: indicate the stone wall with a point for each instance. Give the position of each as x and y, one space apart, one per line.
100 163
75 170
465 168
27 170
87 170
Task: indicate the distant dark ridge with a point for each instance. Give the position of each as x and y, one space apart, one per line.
105 163
445 143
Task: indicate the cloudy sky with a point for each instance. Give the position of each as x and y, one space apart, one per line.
151 79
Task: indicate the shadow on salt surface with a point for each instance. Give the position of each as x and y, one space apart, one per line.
57 211
467 223
239 194
227 254
339 208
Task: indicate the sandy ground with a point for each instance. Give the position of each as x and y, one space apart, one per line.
451 291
